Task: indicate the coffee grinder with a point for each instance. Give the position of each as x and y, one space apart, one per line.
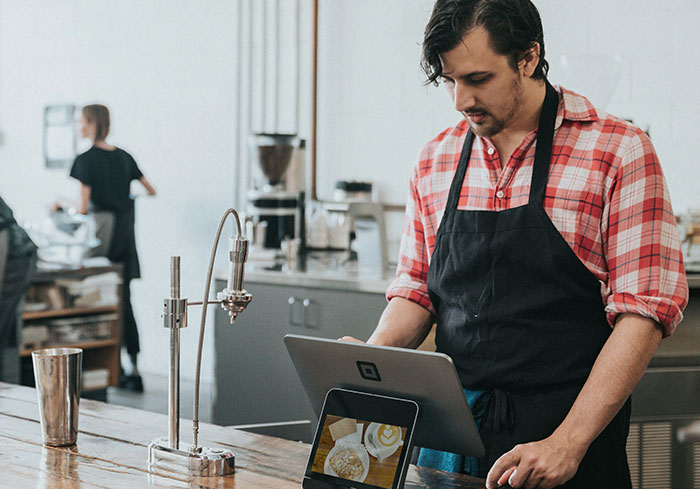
276 196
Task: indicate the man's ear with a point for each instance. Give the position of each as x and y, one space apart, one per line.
529 60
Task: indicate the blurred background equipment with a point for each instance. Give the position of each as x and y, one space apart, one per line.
276 194
64 239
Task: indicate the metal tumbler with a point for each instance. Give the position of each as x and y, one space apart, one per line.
57 377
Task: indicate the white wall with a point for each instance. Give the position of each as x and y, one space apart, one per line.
168 69
375 115
375 112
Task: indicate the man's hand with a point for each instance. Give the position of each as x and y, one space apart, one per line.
350 339
618 368
543 465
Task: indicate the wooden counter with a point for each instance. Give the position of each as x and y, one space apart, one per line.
112 449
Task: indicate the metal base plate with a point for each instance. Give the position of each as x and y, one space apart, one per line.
205 462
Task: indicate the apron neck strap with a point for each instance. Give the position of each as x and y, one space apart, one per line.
543 149
458 179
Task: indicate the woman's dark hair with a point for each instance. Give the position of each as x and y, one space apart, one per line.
98 114
514 26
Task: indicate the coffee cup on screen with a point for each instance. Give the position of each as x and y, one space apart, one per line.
382 440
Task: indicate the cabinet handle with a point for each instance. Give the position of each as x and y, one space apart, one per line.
296 314
310 313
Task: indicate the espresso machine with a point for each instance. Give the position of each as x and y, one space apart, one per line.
275 201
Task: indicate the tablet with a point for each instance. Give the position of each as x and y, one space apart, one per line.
363 441
428 378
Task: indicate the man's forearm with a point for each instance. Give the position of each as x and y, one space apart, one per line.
403 323
618 368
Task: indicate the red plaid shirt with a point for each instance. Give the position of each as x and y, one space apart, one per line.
606 195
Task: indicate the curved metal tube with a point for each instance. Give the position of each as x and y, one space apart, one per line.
205 302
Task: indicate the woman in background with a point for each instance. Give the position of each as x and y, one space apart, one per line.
105 173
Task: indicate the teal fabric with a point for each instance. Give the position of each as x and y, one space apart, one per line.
452 462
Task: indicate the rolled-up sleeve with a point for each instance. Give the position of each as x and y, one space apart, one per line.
642 246
412 270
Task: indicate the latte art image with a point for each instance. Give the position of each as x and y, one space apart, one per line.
388 435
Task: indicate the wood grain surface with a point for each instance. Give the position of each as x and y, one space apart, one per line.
112 450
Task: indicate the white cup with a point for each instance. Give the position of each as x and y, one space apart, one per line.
382 440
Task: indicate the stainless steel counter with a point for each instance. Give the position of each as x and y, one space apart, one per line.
693 280
682 348
323 272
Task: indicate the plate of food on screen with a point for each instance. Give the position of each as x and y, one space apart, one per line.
348 459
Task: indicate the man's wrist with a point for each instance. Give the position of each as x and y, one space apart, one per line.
574 439
379 339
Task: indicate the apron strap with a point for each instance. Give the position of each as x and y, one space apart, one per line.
458 179
543 149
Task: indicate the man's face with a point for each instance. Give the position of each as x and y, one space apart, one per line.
482 84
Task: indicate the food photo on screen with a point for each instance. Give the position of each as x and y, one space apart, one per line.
360 451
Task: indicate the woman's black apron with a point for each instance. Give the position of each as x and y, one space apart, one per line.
523 319
122 249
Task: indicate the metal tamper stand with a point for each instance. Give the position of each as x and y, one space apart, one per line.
168 453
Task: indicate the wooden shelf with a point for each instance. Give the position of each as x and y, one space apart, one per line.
61 313
85 346
97 354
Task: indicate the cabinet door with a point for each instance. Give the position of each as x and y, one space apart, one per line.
255 379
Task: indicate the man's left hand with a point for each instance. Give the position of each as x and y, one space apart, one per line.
543 465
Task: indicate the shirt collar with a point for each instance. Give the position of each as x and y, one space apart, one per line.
574 107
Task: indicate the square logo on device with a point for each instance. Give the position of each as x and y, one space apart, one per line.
369 371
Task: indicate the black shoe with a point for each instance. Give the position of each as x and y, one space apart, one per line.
131 382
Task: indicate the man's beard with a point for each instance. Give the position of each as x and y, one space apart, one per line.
494 125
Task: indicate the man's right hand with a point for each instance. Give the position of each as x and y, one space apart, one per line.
350 339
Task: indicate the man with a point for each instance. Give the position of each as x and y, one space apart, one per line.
540 237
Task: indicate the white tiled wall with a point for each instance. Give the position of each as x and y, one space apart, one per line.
657 45
376 115
169 71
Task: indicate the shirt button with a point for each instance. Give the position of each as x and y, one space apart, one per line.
499 194
490 151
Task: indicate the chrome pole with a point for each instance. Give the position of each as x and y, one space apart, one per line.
174 390
174 318
174 387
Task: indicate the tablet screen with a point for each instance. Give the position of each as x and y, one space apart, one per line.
362 440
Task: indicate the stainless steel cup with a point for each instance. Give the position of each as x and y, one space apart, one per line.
57 376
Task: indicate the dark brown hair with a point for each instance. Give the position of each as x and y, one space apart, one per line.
514 26
99 115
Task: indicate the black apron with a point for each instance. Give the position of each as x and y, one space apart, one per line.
122 247
523 319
